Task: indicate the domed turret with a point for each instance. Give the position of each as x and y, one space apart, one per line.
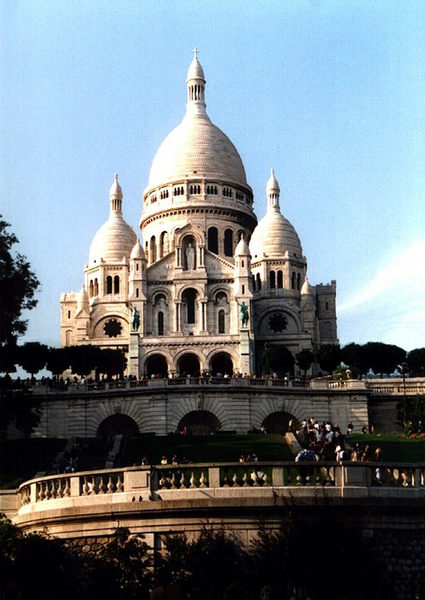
115 239
82 300
137 252
242 249
274 235
306 289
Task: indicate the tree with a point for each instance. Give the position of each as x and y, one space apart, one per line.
383 358
305 359
17 288
58 360
353 356
416 362
111 362
276 358
83 359
329 357
32 357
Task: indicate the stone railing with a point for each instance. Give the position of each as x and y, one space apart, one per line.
150 483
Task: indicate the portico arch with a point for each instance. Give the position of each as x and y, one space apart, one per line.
188 364
117 424
221 363
199 422
278 422
156 364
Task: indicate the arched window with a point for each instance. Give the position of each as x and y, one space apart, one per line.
299 281
116 284
243 289
137 292
189 297
253 283
228 242
272 280
280 279
153 250
293 280
163 244
160 323
109 285
96 287
91 289
221 321
258 281
213 239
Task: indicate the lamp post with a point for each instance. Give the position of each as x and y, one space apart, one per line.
403 368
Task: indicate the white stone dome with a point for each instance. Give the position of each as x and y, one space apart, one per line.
242 248
137 251
274 235
115 239
196 149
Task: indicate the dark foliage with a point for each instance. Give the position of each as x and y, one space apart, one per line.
305 359
416 362
32 357
329 357
276 358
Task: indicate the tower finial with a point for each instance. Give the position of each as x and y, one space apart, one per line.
195 53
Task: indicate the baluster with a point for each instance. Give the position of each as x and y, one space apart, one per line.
48 490
265 480
245 480
226 481
183 481
193 480
395 475
235 480
102 486
203 480
120 483
55 485
40 492
86 488
173 480
255 478
110 487
67 490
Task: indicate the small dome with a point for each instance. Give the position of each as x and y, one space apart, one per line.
195 70
273 237
137 251
306 289
242 249
115 190
113 241
82 298
272 186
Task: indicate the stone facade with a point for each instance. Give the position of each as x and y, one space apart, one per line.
175 303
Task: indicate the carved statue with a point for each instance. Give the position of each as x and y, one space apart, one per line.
135 319
244 315
190 257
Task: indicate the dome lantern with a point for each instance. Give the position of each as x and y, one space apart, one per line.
273 191
115 195
195 82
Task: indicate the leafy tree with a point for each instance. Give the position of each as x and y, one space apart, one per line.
83 359
111 361
416 362
58 360
353 356
17 288
32 357
276 358
329 357
383 358
305 359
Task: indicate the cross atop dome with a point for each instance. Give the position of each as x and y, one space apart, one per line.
195 53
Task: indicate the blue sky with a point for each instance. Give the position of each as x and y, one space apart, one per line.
331 94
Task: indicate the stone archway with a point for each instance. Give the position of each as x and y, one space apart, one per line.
189 365
278 422
156 364
199 422
118 424
221 363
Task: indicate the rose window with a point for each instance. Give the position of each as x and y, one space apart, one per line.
112 328
278 323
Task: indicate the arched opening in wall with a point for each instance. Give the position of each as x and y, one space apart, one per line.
213 239
188 365
228 242
116 284
272 280
258 282
189 303
155 365
152 250
118 425
221 321
299 281
91 289
278 422
280 279
293 280
163 244
221 364
96 287
199 422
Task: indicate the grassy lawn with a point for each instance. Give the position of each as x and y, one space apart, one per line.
22 459
394 448
216 448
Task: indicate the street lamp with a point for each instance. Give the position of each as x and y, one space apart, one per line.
404 368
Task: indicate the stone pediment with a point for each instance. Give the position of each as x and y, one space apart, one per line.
162 268
215 265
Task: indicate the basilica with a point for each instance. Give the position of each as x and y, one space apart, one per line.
209 286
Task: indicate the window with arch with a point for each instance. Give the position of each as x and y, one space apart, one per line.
91 288
299 281
293 280
212 190
280 280
195 189
96 287
69 314
116 284
243 289
152 253
228 242
163 244
272 280
253 283
160 323
189 298
109 285
258 282
221 321
213 239
137 292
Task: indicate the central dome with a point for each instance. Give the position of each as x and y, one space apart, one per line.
196 149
